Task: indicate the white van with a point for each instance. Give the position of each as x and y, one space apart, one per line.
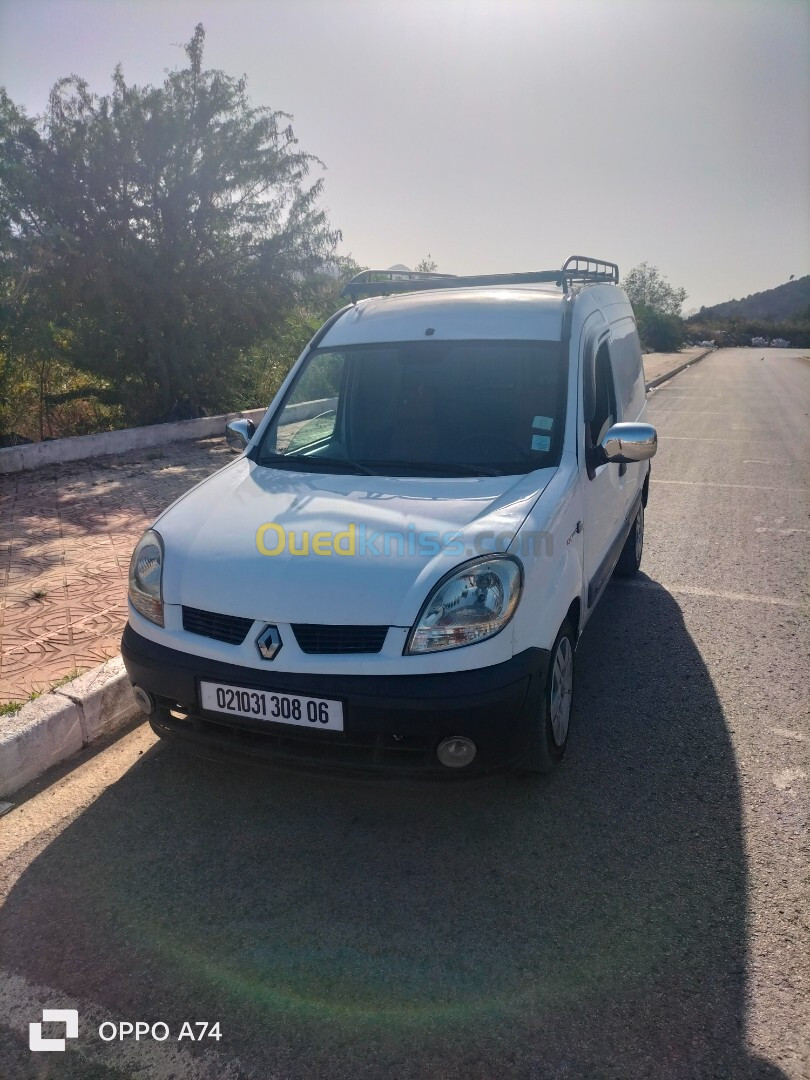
395 570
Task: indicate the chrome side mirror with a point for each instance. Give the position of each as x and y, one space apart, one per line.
626 443
238 434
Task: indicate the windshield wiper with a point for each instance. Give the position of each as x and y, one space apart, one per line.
436 468
304 464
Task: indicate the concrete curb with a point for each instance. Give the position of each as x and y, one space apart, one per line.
681 367
57 725
15 459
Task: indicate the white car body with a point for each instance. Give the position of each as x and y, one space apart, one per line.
565 526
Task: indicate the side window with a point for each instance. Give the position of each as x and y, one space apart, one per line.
309 414
625 352
604 413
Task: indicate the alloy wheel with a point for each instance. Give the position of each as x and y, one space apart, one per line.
562 682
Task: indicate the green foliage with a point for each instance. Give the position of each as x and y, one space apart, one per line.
658 331
786 303
647 287
783 312
150 239
269 361
42 396
657 306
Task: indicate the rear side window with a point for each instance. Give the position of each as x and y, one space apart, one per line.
625 352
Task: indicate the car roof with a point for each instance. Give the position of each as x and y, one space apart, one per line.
517 312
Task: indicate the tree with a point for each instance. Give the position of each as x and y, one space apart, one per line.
647 287
657 306
659 332
270 360
160 231
426 265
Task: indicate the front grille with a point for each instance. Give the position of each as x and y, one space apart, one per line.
314 638
228 628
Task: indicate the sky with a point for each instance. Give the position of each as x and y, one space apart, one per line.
500 135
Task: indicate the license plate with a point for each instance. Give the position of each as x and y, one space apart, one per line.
319 714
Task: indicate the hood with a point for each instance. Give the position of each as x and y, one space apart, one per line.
336 549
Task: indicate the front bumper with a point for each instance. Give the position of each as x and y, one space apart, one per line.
390 721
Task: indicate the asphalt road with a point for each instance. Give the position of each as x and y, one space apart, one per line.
640 914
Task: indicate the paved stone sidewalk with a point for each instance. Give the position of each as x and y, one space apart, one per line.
66 536
659 363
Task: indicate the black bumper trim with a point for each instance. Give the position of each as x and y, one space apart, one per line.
388 719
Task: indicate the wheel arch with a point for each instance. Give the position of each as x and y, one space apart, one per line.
574 614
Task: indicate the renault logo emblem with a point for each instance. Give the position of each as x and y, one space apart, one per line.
268 642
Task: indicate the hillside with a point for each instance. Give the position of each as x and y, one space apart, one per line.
785 302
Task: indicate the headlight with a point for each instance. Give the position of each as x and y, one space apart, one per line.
146 577
473 602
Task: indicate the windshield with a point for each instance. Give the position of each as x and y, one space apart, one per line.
423 408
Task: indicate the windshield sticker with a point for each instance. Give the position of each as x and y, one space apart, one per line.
543 423
541 442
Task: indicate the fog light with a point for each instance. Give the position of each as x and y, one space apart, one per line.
456 752
146 703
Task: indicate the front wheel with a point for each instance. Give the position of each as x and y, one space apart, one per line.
630 558
549 736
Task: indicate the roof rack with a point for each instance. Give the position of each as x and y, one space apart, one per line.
383 282
593 270
577 269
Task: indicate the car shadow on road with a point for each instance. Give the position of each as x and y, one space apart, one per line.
589 925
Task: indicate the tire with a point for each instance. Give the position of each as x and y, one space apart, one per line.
549 736
630 558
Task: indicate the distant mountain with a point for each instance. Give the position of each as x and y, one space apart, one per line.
784 302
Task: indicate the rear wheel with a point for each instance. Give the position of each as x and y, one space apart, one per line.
630 558
550 733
